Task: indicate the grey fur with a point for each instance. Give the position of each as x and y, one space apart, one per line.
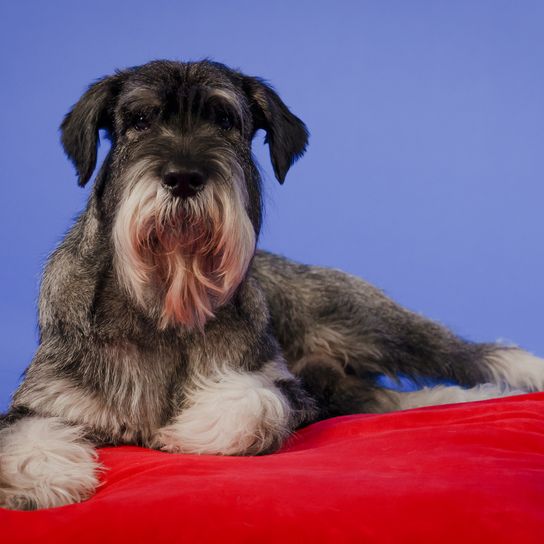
106 363
363 333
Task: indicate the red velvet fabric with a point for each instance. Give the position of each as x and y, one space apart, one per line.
469 473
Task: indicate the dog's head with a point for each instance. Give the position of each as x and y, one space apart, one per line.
180 188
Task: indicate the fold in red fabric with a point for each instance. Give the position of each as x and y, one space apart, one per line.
468 473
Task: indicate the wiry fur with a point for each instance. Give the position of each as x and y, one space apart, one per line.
189 254
253 416
161 326
45 463
517 368
389 400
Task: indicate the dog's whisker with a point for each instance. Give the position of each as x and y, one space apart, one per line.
211 234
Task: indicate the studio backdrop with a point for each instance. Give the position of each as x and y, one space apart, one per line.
424 173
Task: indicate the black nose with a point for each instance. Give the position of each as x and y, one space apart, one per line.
184 183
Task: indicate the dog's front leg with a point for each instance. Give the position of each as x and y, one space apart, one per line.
236 412
44 462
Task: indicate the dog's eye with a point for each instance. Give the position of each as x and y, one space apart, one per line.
224 121
140 122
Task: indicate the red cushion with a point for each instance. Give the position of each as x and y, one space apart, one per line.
464 473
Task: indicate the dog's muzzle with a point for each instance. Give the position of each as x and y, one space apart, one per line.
183 182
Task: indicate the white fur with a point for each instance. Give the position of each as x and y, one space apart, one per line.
230 413
517 368
441 394
45 463
188 255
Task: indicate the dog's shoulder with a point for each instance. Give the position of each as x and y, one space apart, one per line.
73 273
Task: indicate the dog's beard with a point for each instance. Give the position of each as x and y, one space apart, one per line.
183 258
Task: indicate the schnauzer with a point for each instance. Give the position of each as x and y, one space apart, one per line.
160 323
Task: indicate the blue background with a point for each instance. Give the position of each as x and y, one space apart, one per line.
424 174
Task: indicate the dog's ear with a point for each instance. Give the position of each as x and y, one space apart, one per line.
286 134
79 130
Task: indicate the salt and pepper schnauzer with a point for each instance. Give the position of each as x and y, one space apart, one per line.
161 325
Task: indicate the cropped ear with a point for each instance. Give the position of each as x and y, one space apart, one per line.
286 134
79 130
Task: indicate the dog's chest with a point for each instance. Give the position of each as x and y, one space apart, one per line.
138 391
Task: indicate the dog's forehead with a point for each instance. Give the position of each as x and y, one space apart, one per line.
158 81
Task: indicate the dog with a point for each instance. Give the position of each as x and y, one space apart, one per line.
160 323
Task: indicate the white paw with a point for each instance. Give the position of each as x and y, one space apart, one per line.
388 400
232 413
45 463
442 394
517 368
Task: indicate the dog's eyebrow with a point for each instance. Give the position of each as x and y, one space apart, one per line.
138 97
226 96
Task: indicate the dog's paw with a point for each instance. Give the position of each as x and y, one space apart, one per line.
517 369
441 394
45 463
233 414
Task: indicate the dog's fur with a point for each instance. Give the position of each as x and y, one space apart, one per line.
160 324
